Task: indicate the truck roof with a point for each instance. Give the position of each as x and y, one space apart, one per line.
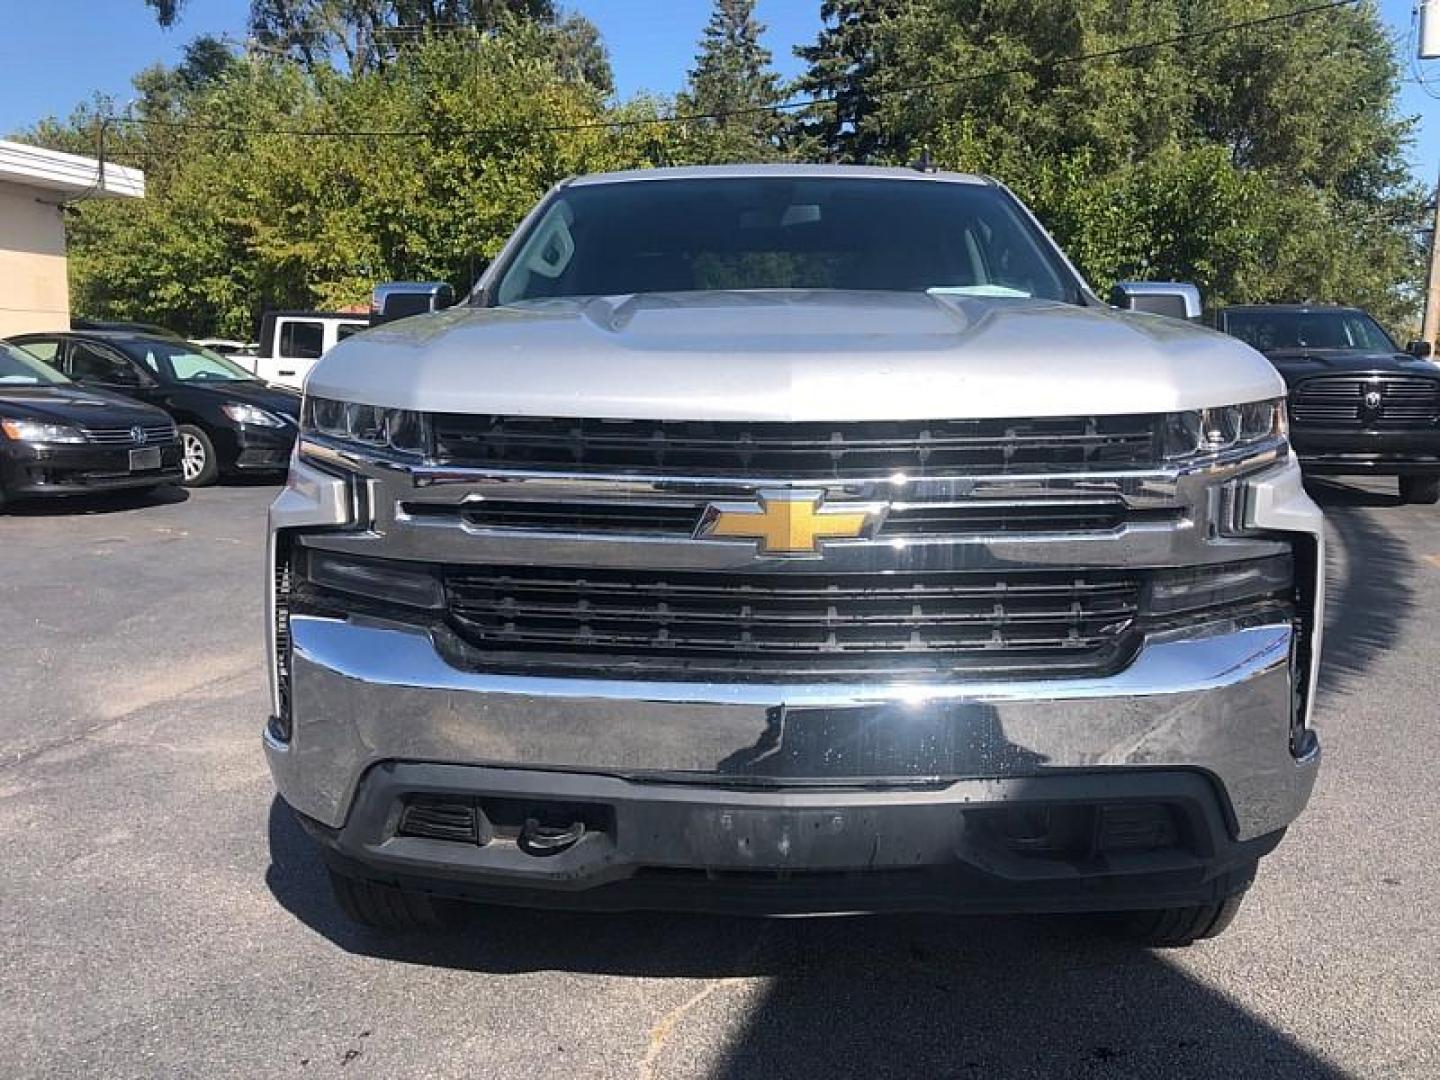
807 172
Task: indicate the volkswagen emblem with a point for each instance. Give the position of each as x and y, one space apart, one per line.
137 434
1372 400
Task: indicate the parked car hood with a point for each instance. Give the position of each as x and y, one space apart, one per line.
274 398
1295 364
75 406
793 355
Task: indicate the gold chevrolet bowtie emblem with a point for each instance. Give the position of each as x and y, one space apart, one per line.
788 522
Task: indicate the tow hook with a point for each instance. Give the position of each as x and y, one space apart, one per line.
544 840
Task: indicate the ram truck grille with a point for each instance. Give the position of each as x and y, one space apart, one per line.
1339 401
810 623
763 450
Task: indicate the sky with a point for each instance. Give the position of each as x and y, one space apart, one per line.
54 54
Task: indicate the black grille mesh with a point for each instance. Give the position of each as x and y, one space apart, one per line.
283 587
799 449
679 519
1027 619
1340 401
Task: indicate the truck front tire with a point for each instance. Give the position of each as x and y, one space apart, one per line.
388 907
1421 490
1175 928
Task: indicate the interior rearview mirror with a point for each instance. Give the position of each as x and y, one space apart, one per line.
401 299
1177 299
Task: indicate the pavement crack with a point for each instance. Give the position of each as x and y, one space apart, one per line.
667 1024
24 756
661 1031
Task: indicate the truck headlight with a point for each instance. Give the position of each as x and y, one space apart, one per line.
387 580
1172 592
400 431
1201 433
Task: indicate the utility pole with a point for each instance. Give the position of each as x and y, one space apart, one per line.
1428 48
1430 329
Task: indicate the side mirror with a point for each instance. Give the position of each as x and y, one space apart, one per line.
401 299
1422 349
1177 299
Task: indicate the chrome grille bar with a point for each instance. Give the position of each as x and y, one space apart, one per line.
793 449
155 435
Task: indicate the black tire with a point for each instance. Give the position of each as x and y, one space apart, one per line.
389 907
1175 928
1420 490
197 457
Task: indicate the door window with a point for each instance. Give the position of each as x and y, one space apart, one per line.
91 364
49 351
301 340
345 329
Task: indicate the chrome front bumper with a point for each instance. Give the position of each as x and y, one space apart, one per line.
1217 700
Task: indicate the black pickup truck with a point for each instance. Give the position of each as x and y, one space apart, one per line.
1359 405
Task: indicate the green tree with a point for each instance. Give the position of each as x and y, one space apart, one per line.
845 66
243 214
1266 165
364 34
733 75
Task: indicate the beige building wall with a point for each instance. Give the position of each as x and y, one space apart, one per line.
34 292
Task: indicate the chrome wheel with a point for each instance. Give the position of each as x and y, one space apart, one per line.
192 457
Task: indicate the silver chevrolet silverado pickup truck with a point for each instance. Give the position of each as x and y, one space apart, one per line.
793 540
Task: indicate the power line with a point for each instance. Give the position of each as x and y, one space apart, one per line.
750 110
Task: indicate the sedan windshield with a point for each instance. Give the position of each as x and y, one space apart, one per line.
646 236
1273 331
19 368
183 362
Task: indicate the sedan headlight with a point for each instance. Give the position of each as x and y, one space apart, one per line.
242 413
1220 430
34 431
401 431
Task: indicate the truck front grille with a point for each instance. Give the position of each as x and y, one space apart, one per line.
1055 622
680 519
764 450
1340 401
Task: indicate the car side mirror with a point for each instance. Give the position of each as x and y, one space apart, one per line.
401 299
1422 349
1177 299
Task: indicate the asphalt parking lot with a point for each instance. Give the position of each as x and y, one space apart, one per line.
160 915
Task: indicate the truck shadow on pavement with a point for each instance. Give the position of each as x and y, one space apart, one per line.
1369 597
882 996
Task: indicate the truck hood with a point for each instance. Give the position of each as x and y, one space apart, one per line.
793 355
1297 364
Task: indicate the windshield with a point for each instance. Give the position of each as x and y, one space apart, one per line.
19 368
1272 331
784 233
183 362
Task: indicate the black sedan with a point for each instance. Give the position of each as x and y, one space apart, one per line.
1359 406
230 423
57 438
